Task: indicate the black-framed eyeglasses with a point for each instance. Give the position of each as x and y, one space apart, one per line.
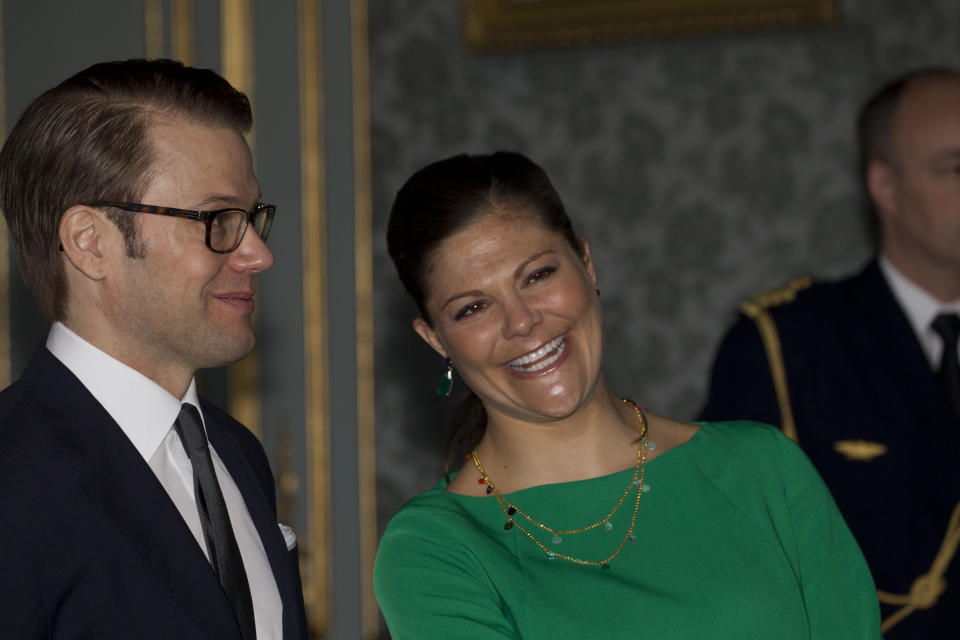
225 227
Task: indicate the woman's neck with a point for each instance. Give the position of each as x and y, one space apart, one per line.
598 439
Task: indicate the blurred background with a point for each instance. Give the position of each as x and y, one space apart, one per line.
706 149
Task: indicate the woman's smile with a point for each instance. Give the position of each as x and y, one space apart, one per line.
544 359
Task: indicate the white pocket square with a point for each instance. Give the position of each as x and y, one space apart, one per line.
288 536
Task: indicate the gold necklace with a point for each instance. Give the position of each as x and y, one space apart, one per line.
511 510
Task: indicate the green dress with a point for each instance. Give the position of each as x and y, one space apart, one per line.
737 538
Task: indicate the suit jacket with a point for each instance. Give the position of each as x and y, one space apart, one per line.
856 372
91 546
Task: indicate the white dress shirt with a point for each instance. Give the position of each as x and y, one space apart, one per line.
146 412
920 308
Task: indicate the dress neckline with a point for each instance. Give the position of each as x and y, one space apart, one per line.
443 483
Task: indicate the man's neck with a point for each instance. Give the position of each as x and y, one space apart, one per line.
943 283
175 379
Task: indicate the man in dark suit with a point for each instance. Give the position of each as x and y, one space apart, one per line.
863 372
129 507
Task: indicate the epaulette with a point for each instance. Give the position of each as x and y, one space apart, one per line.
759 302
756 308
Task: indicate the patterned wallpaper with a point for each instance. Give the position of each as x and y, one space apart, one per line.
701 168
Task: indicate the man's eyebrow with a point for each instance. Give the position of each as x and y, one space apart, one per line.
947 154
224 198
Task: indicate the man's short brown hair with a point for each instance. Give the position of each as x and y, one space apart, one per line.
875 121
86 139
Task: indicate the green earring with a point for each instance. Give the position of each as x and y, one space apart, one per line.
446 382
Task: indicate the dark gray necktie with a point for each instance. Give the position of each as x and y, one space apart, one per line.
217 531
948 326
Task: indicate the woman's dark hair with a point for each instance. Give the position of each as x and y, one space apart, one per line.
440 200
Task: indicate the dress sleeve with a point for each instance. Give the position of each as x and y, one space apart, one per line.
838 590
741 385
429 586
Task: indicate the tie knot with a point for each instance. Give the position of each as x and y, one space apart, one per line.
189 427
947 325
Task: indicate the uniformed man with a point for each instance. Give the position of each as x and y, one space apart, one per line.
863 372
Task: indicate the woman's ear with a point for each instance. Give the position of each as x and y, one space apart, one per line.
425 331
587 260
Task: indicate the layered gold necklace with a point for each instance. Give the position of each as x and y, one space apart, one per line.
636 482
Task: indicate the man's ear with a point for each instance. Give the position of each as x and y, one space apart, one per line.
882 187
83 240
425 331
587 260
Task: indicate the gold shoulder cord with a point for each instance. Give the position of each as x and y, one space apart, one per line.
925 590
756 308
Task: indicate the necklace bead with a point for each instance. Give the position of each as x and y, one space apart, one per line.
636 482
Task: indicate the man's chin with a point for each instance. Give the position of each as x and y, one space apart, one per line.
230 350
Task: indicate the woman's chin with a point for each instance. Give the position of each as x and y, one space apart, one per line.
557 405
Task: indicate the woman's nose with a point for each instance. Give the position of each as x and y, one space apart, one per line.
519 317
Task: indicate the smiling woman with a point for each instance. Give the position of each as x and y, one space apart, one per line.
578 513
513 305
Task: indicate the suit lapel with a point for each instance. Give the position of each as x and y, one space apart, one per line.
121 486
130 496
264 519
879 326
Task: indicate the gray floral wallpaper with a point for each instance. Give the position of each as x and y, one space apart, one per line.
702 168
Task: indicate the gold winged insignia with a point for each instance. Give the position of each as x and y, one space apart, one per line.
862 450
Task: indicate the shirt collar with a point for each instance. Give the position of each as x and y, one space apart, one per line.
144 410
919 306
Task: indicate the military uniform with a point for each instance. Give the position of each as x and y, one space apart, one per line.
839 368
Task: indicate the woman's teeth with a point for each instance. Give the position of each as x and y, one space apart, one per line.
542 357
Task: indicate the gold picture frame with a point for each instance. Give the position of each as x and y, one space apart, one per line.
518 24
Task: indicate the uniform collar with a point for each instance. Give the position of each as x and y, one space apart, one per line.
918 305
